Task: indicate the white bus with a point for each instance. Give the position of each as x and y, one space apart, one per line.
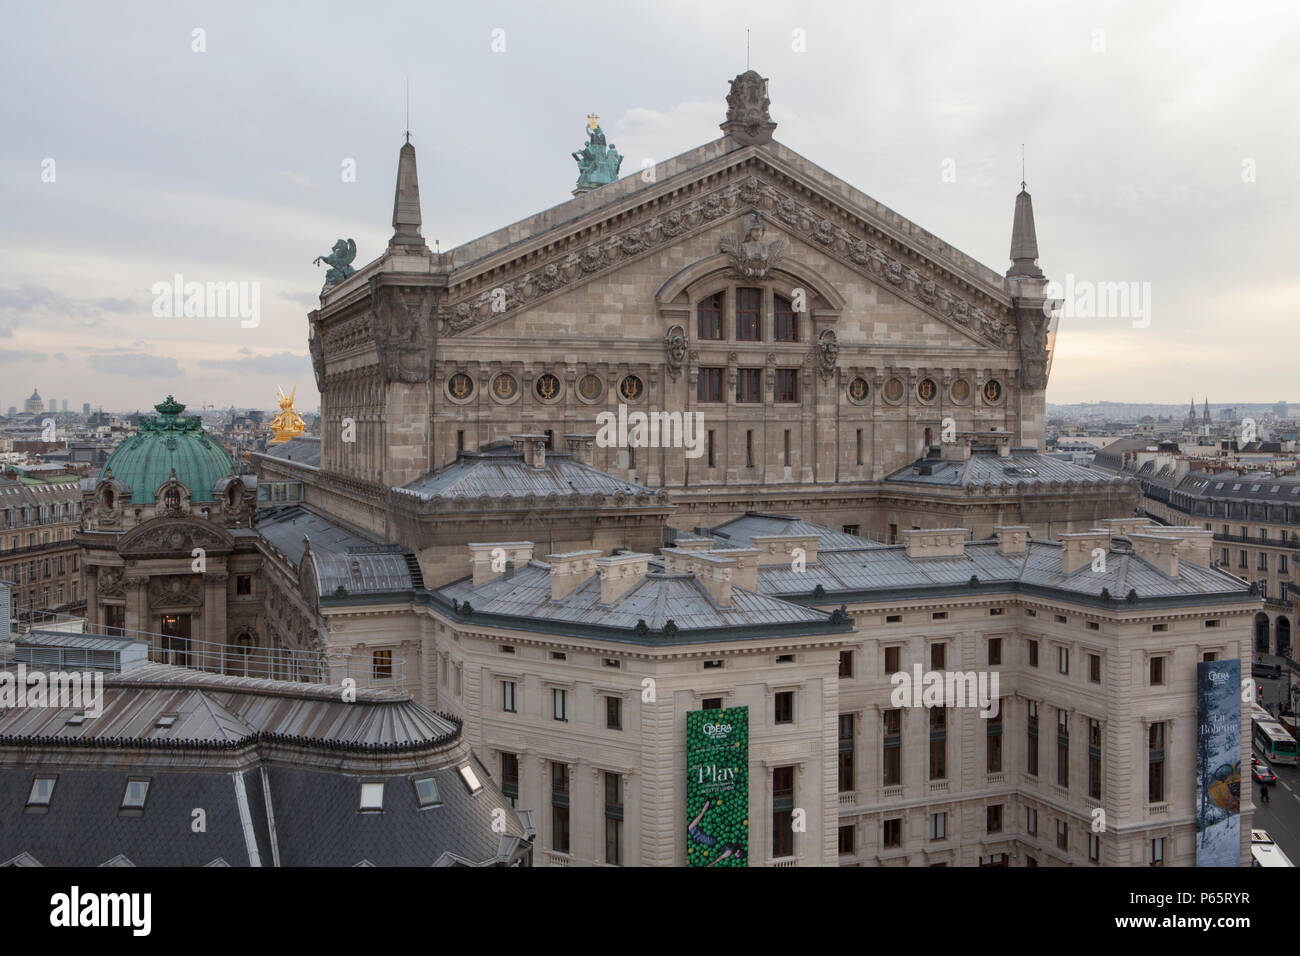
1264 852
1270 738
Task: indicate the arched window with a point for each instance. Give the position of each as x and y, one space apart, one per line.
108 499
172 498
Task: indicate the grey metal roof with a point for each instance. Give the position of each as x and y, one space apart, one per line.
1022 468
890 568
500 471
225 711
738 532
657 599
303 450
341 557
1232 486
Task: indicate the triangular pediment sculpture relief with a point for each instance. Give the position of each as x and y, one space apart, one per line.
935 293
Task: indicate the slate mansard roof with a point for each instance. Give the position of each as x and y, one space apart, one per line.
1023 468
277 768
340 558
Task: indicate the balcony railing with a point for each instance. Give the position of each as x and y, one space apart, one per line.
301 666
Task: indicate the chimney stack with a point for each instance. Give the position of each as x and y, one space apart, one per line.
580 447
1077 549
1012 539
745 571
1195 545
569 570
620 573
490 558
934 542
780 548
533 447
1159 550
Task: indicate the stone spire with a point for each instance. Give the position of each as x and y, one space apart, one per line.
406 201
1205 415
1024 240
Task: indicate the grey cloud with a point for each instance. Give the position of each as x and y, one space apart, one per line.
289 363
135 364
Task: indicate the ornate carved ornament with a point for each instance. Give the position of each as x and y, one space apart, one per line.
402 327
828 352
176 590
751 257
675 350
172 537
472 312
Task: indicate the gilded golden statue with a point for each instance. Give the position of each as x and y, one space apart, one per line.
288 424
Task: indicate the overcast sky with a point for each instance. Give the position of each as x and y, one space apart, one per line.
1161 140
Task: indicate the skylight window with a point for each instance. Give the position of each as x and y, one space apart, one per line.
42 792
372 797
77 719
471 779
137 792
166 720
426 792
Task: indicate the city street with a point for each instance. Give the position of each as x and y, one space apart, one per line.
1281 815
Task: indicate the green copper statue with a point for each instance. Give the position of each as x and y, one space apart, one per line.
345 250
597 164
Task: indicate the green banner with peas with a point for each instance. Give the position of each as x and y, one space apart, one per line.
717 787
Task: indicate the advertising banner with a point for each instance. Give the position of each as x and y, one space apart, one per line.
717 787
1218 763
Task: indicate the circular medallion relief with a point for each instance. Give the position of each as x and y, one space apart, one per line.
460 387
960 390
859 391
590 387
631 388
992 391
926 390
547 387
894 390
505 387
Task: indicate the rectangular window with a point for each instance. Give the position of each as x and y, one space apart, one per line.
846 663
938 743
560 807
1062 835
137 793
993 741
1033 653
786 321
782 812
372 797
1094 668
846 839
938 826
508 701
1031 821
859 447
846 753
1157 854
381 664
510 777
709 388
936 657
787 385
892 655
711 458
710 317
560 704
1063 660
785 449
749 448
995 651
892 763
614 713
1156 763
1062 748
892 833
711 703
1157 671
749 311
749 386
243 584
785 707
42 792
426 792
993 819
1094 759
614 819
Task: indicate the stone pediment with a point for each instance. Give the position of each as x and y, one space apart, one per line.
171 537
973 301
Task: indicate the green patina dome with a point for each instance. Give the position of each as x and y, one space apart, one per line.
171 441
